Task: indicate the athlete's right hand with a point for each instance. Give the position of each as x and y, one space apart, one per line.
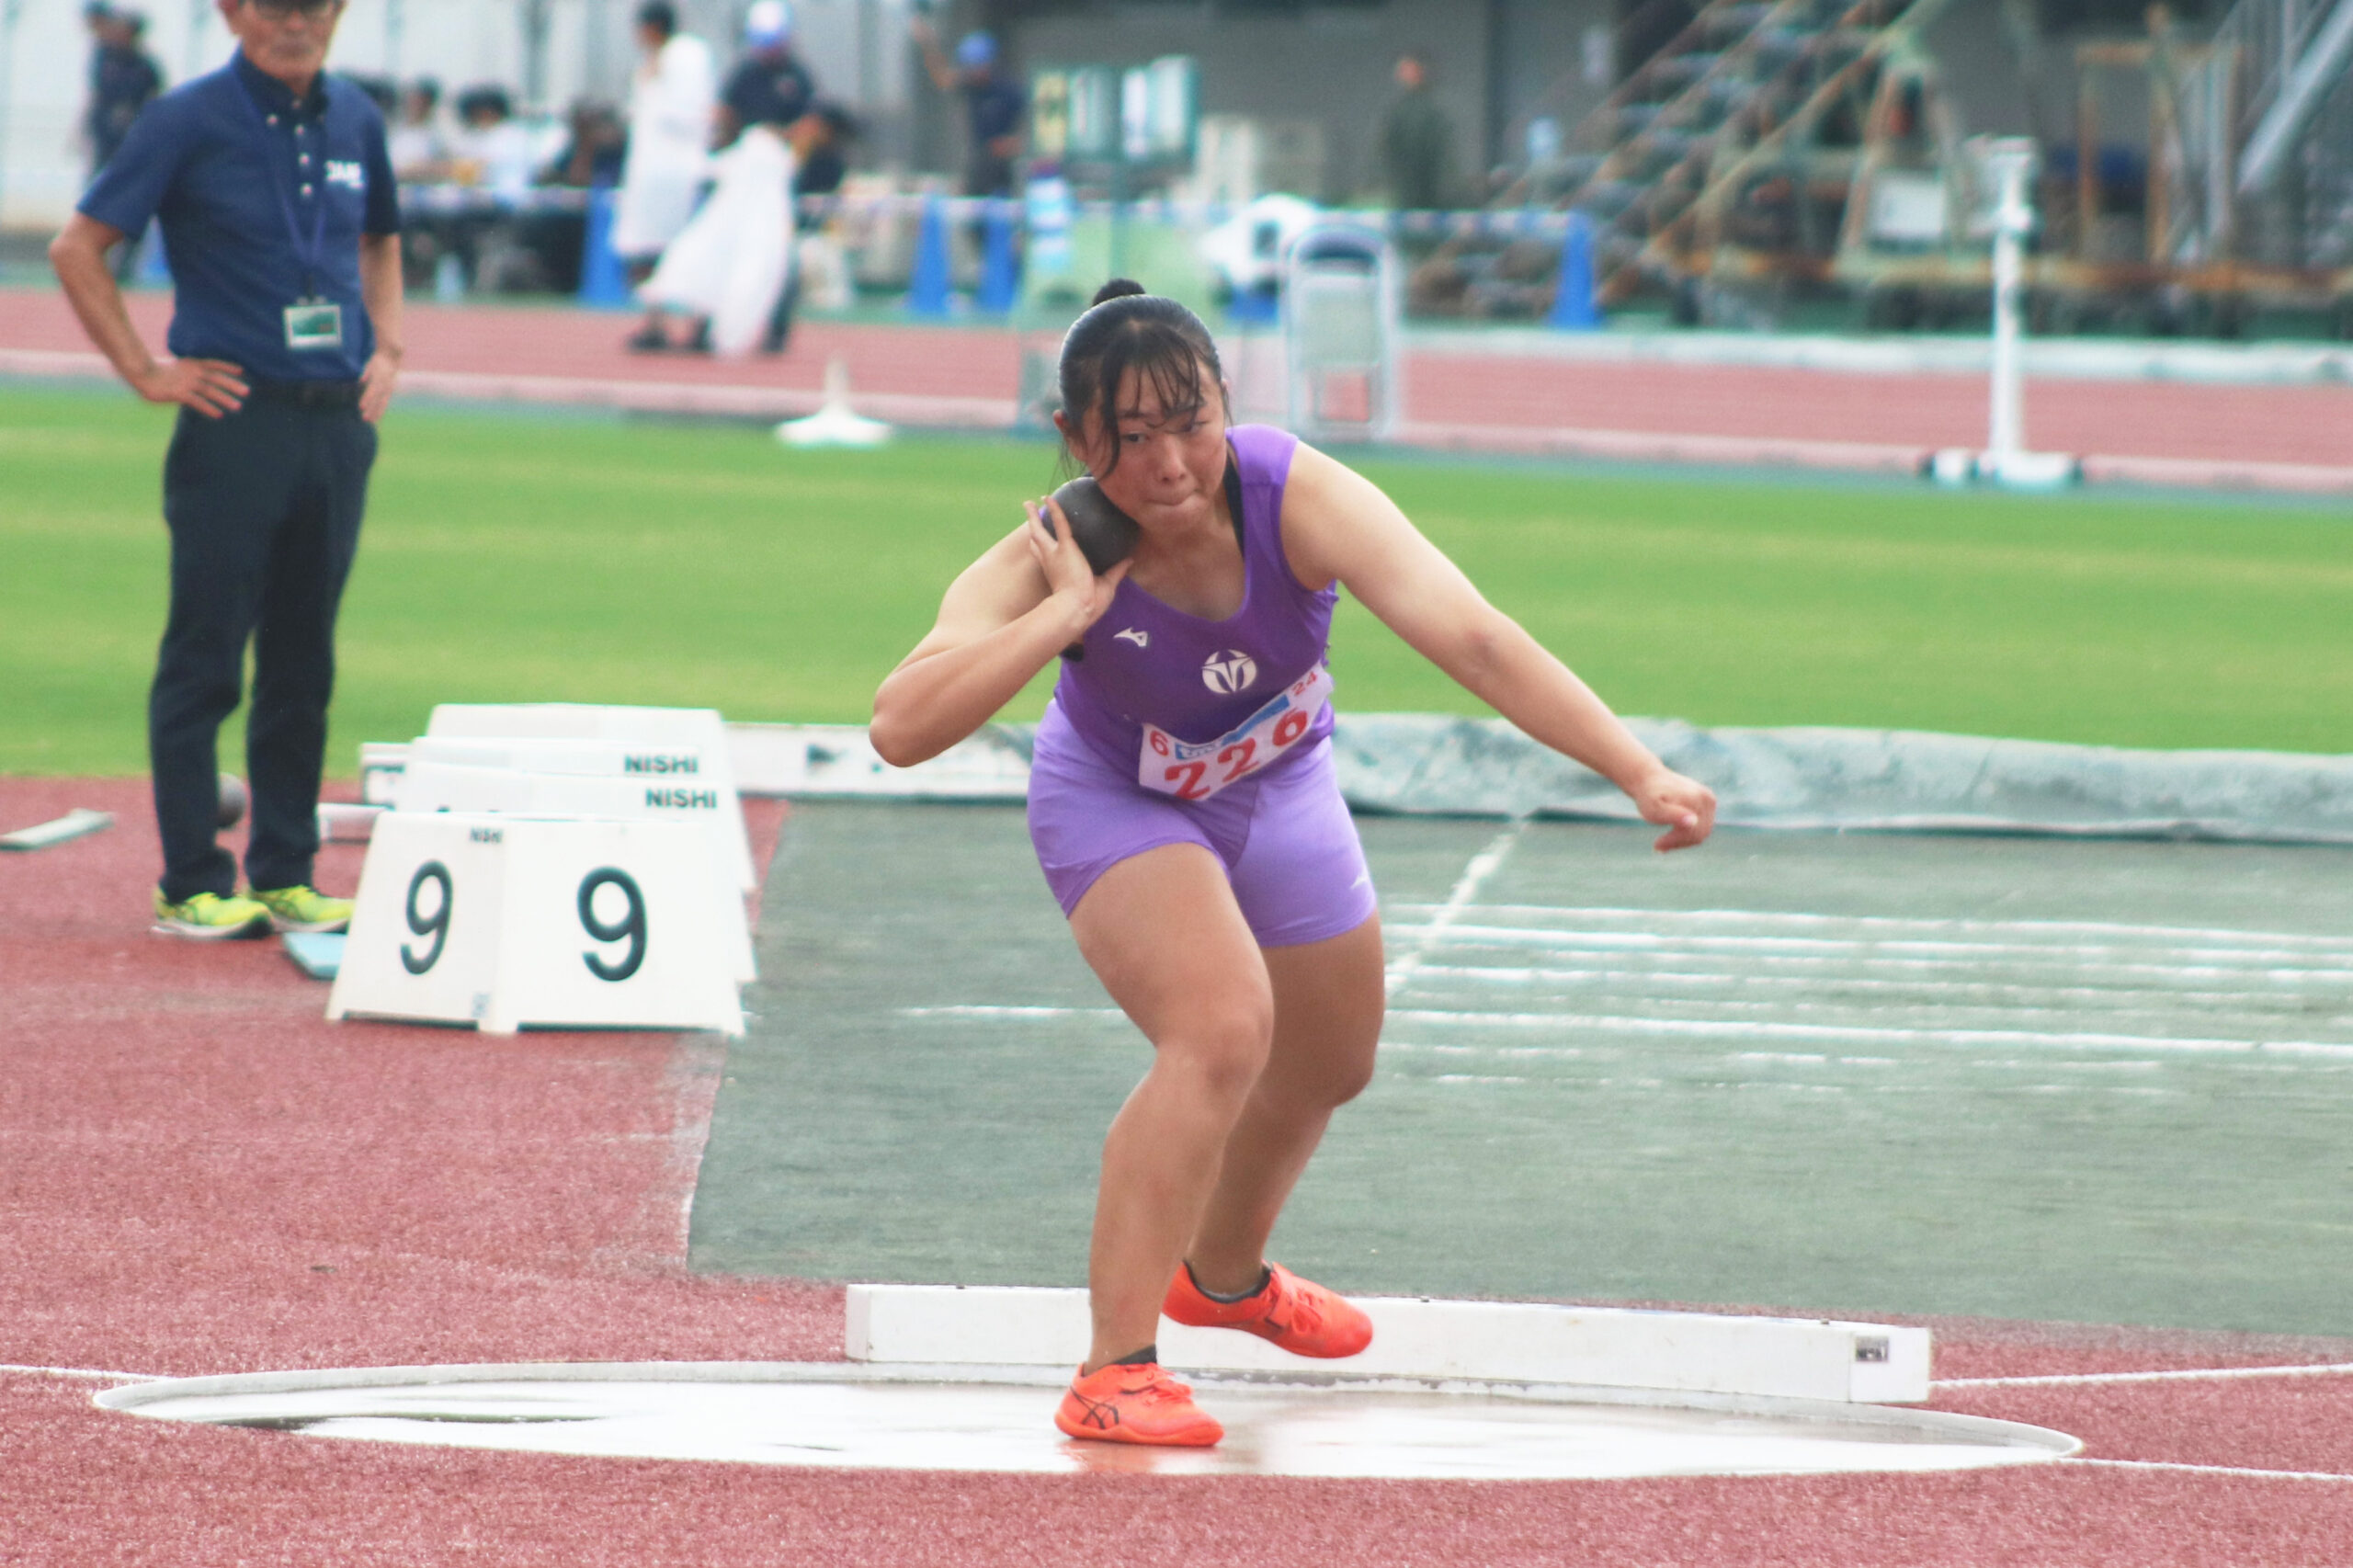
1068 575
212 387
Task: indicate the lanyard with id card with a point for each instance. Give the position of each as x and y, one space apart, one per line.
312 323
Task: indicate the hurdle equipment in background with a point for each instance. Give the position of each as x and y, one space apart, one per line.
2009 163
1417 1337
1340 302
504 922
835 423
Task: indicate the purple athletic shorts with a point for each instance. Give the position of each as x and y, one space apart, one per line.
1285 837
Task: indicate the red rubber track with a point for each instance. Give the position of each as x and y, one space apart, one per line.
950 374
198 1175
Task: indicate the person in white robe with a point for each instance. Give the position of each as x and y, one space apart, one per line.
728 267
671 106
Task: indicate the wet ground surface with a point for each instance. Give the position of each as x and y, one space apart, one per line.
1859 1075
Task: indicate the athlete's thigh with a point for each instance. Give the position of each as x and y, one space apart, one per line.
1301 878
1162 931
1330 998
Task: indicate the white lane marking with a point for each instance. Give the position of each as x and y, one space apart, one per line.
1655 979
2194 1374
1618 942
2142 975
1705 1028
93 1373
2211 1468
1733 1008
1654 918
1466 887
977 1010
1714 1028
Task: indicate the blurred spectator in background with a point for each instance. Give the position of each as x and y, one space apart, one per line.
593 154
123 80
821 141
489 148
769 85
1417 142
993 105
670 110
728 267
420 151
556 239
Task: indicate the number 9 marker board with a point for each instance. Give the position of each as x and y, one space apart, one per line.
507 922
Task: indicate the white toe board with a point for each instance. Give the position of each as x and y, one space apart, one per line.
1420 1338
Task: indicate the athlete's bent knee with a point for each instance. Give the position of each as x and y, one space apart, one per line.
1223 1050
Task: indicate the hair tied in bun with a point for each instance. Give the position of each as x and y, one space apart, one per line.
1131 331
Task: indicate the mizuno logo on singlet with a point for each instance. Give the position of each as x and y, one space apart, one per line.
1136 636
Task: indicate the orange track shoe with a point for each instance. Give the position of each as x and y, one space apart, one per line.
1120 1404
1295 1314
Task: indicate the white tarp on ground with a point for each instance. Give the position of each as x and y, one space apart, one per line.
1860 779
1818 778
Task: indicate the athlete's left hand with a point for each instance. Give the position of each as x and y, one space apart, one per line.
1685 807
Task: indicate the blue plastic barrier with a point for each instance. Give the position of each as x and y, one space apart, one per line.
152 269
1000 263
1573 306
929 286
603 282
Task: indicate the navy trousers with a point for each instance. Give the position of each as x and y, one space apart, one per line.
264 507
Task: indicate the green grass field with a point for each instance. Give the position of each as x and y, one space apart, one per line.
520 557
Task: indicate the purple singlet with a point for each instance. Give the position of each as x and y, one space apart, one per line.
1198 679
1175 730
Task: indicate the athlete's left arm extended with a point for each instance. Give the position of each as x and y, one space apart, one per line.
1337 524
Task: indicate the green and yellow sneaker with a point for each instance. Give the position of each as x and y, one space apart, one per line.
211 918
303 909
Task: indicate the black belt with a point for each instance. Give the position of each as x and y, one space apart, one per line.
307 394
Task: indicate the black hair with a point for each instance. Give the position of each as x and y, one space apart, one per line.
1127 330
485 99
659 15
425 87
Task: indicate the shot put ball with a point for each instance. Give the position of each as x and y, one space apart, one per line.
1105 535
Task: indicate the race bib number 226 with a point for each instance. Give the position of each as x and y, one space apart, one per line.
1195 770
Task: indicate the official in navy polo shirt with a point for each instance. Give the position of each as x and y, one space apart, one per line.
281 224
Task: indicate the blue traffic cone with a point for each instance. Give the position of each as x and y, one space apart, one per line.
928 287
1000 267
1572 305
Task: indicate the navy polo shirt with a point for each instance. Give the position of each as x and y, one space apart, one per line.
995 108
198 161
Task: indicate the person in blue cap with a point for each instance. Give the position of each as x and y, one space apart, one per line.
281 219
993 105
769 85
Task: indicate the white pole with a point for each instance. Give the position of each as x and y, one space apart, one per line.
2011 162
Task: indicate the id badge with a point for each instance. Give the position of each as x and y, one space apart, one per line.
314 324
